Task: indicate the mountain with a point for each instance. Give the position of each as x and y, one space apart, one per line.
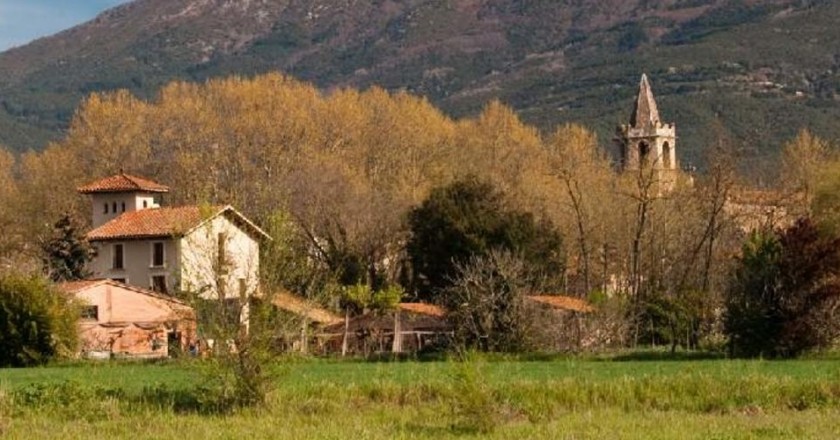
754 70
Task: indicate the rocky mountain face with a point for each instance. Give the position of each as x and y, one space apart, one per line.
751 71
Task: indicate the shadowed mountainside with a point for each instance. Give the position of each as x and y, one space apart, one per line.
754 70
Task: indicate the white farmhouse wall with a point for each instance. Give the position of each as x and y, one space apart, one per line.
200 256
122 202
137 262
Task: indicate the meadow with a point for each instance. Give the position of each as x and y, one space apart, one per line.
574 398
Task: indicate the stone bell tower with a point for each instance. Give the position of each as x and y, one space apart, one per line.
646 141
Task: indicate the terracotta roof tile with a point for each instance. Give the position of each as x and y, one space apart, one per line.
299 306
152 223
423 309
122 183
563 303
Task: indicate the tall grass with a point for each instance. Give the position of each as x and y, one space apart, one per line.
460 398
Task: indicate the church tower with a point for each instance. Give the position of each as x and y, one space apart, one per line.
646 140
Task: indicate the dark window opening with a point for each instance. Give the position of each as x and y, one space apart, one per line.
666 153
123 206
159 283
106 209
222 253
644 152
119 280
118 262
90 312
114 207
157 254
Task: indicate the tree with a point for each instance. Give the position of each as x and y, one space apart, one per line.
67 253
37 322
486 304
784 297
470 218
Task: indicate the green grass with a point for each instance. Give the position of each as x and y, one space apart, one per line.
573 398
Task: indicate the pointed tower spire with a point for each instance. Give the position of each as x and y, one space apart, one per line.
645 114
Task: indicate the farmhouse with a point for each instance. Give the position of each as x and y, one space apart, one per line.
122 320
211 250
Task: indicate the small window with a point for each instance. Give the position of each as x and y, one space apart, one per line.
159 283
145 203
118 257
158 255
105 211
123 206
90 312
119 280
222 252
243 288
114 207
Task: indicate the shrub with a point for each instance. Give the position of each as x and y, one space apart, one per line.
37 323
486 304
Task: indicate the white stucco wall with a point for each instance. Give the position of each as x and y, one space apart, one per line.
199 259
137 262
128 200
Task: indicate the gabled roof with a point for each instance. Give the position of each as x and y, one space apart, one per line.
122 183
645 113
167 222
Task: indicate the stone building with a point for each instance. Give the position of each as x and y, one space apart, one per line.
646 141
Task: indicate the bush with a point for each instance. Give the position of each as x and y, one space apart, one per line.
784 296
37 323
486 305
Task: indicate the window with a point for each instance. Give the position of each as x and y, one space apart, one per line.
123 207
106 209
120 280
159 283
243 288
644 152
114 207
222 256
90 312
145 204
158 255
118 257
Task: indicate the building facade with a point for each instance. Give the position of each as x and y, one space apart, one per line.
209 250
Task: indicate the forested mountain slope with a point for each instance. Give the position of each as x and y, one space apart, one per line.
755 70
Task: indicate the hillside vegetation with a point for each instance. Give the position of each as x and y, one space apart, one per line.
758 70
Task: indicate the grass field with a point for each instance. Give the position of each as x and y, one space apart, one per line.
570 398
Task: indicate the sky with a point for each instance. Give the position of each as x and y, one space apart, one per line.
22 21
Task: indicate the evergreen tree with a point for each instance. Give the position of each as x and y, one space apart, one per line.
785 294
470 218
67 253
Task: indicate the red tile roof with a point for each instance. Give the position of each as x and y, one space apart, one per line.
122 183
168 222
152 223
423 309
294 304
563 303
